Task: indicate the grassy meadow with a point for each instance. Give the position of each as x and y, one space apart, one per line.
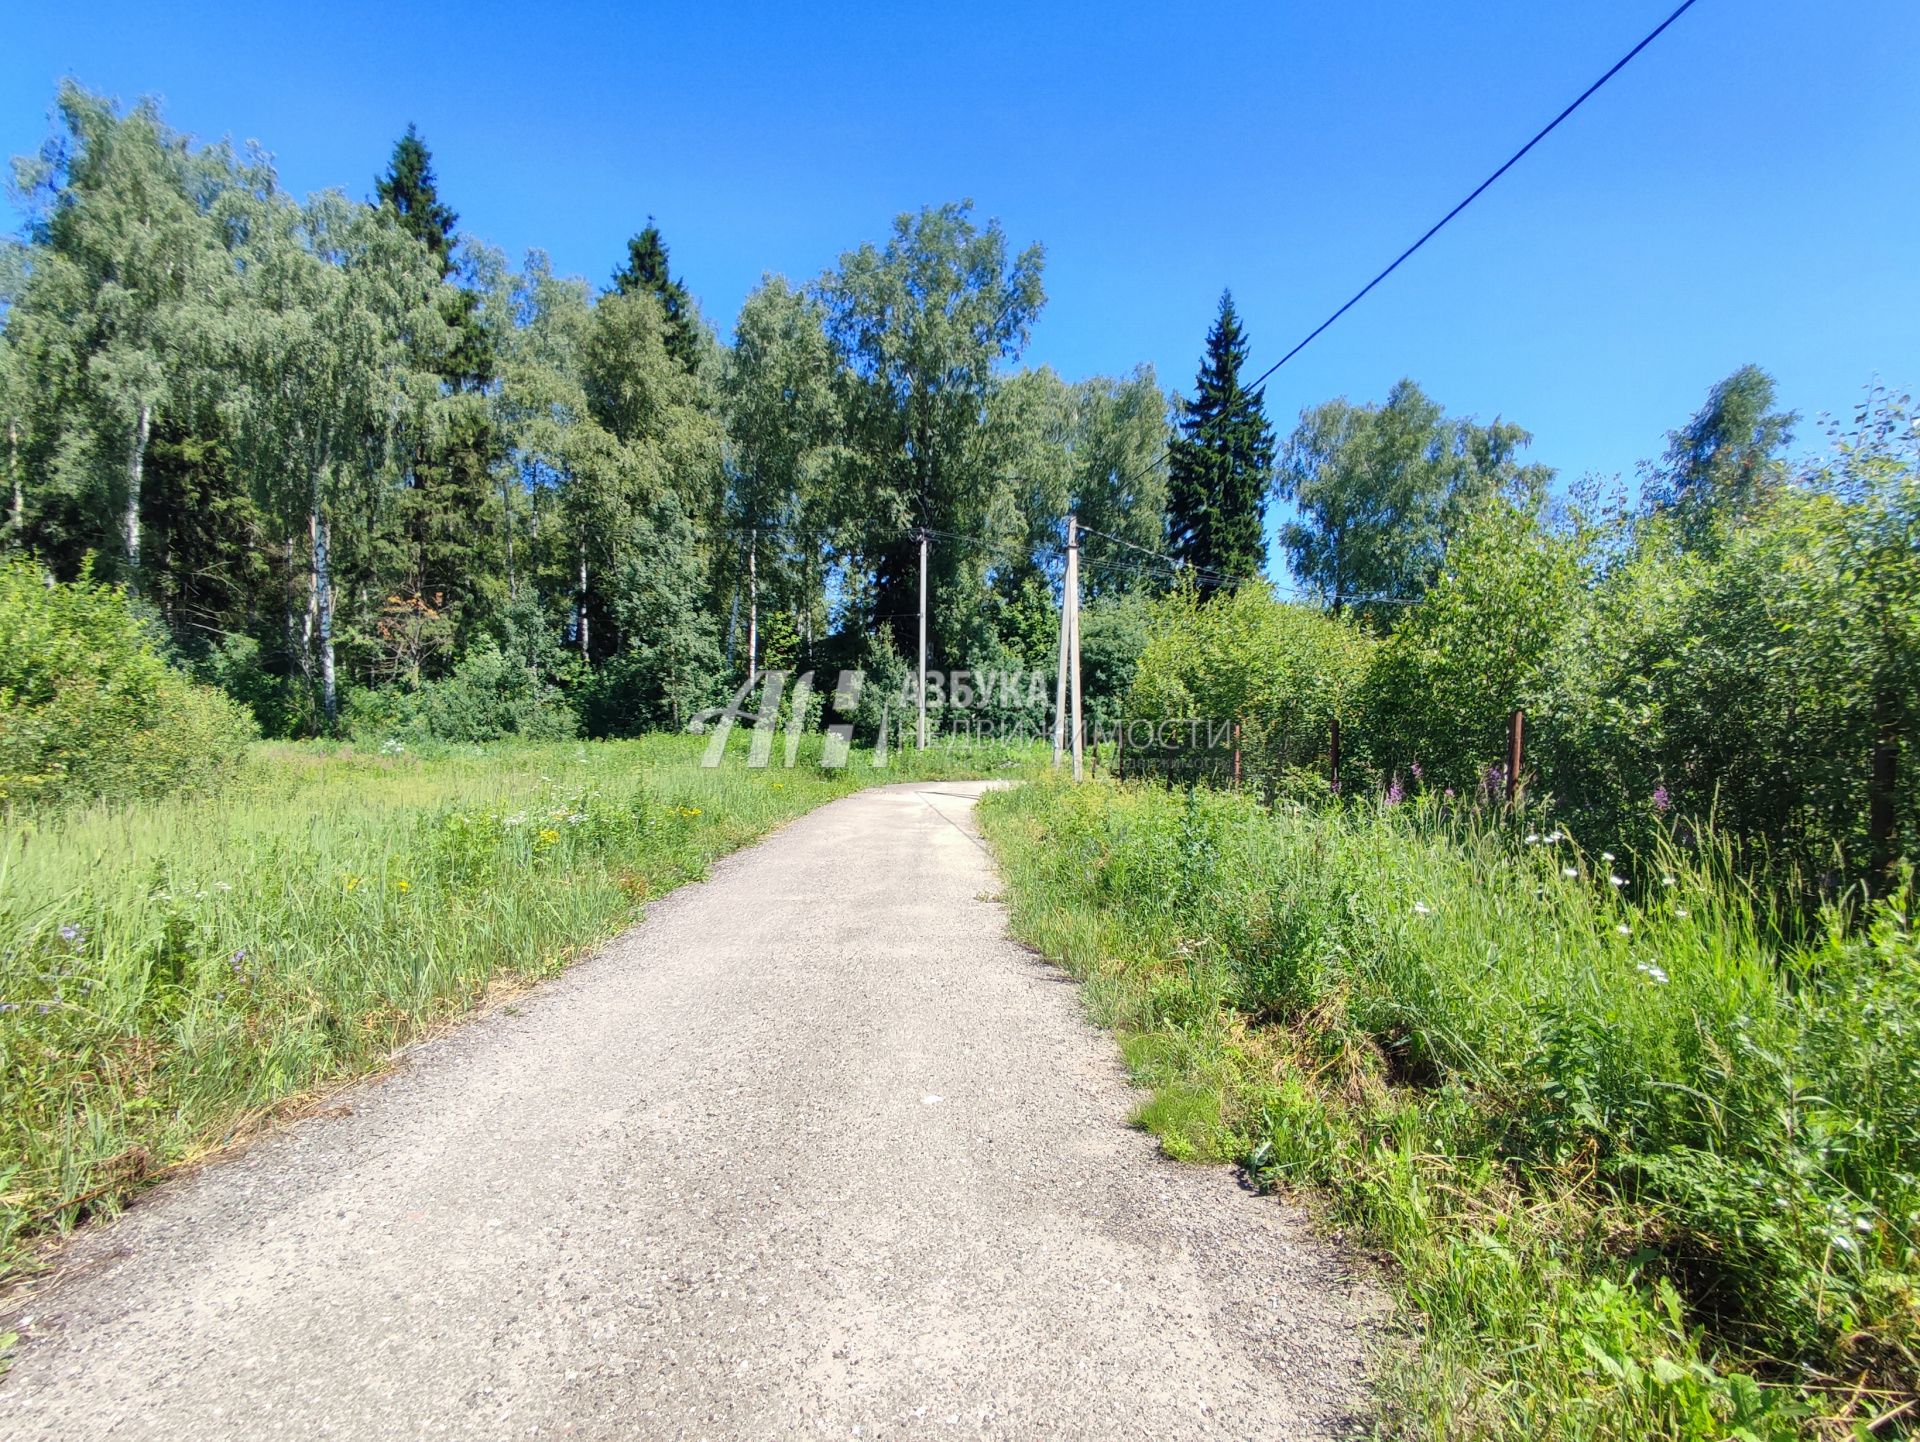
1639 1156
174 972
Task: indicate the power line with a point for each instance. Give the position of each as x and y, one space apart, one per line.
1438 225
1479 189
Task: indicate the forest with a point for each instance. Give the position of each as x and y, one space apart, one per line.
368 476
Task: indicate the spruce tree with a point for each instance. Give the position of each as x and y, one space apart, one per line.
446 564
409 187
1221 464
646 273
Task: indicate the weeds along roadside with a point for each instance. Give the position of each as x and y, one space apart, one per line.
172 973
1638 1169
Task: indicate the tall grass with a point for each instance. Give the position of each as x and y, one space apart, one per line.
1643 1167
172 972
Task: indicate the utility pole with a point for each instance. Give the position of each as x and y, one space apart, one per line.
753 605
923 639
1060 675
1073 631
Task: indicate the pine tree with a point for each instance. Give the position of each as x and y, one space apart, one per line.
1221 465
646 273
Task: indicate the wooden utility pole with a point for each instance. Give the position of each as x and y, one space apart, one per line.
1060 684
753 605
1516 749
1882 791
923 639
1073 634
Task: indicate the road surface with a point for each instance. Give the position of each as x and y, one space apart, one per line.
815 1150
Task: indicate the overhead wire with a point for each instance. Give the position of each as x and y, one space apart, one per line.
1433 229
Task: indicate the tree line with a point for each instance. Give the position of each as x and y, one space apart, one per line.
341 450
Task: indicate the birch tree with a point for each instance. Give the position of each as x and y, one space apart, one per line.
127 275
336 295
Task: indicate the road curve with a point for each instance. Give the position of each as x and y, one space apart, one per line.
813 1150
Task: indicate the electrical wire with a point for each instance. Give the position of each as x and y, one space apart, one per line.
1436 227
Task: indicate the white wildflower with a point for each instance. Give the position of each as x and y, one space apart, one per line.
1617 880
1606 856
1624 929
1569 872
1420 908
1682 912
1648 969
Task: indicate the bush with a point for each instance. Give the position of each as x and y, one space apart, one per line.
88 709
1282 671
489 697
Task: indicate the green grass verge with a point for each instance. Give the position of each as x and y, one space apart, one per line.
173 973
1636 1167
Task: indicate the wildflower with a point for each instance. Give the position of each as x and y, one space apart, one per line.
223 886
1448 793
72 935
353 883
403 885
1418 774
519 818
1606 856
1396 793
1682 912
1624 929
1617 880
1533 838
1666 881
1420 908
1648 969
1662 798
548 836
1570 872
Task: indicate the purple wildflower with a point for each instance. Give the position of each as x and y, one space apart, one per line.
1418 774
1396 793
1662 798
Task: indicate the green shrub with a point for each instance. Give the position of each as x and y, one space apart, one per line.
1281 671
489 697
88 709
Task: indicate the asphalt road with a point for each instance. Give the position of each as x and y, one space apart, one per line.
814 1150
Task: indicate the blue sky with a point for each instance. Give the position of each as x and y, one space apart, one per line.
1745 191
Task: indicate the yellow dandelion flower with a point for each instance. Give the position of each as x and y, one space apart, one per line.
548 835
403 885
